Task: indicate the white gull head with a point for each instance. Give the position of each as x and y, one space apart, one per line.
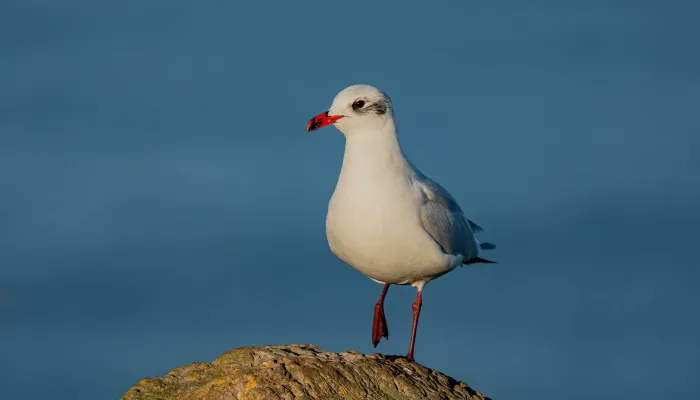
358 109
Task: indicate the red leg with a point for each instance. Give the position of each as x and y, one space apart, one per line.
416 313
379 327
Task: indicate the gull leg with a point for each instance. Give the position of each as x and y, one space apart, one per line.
416 312
379 326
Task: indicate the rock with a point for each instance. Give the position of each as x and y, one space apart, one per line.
301 372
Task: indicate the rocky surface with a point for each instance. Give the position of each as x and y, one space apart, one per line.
301 372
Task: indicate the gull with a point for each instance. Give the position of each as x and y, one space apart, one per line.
386 219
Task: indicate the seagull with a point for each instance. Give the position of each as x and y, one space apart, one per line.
386 219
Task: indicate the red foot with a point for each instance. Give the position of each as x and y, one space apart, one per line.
379 326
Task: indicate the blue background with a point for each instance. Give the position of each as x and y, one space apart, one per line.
161 202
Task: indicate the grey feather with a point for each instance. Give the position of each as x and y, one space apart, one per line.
487 246
444 220
475 227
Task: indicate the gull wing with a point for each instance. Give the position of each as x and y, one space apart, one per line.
444 220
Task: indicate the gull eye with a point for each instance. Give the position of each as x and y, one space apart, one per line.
358 104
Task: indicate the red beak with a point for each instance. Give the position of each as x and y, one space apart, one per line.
322 120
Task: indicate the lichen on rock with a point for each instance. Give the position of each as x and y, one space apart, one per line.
300 371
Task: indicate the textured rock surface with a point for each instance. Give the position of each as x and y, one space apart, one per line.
301 372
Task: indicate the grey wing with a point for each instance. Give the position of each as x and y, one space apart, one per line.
445 222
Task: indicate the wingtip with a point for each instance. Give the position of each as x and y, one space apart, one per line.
477 260
475 227
487 246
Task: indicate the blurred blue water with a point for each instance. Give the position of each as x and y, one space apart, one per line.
160 200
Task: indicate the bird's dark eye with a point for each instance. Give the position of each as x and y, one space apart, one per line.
358 104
